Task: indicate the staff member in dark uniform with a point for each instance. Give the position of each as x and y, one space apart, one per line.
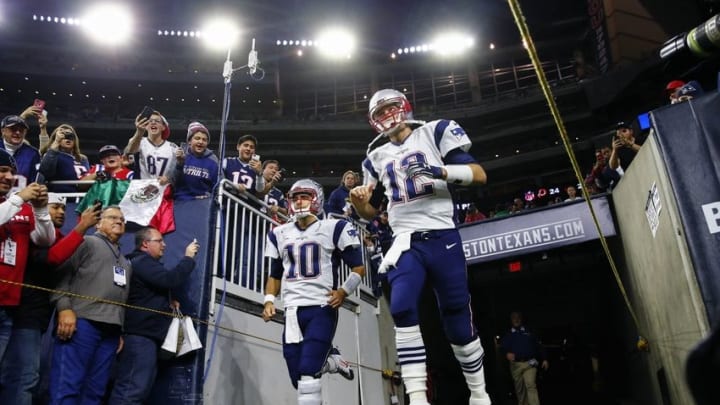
524 352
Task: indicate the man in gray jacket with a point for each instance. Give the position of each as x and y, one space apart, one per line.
88 332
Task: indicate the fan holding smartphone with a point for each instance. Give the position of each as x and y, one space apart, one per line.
62 159
157 156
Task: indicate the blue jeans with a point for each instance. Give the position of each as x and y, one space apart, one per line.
20 370
81 366
5 330
136 371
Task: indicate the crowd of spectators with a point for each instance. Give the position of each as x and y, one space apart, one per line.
87 335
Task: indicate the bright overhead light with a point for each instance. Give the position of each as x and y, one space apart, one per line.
452 44
220 34
109 24
335 43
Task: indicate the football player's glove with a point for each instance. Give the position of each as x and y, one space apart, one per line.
417 169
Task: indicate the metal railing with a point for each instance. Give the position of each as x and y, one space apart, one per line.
238 259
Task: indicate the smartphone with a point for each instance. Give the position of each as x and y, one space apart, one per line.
40 178
146 112
39 103
98 205
256 157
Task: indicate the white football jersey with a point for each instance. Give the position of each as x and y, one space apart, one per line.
156 161
308 274
421 204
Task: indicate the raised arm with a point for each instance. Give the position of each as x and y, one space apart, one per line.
134 142
360 199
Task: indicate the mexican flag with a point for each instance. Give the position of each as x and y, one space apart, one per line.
144 202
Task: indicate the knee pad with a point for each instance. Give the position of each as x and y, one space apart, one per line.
405 319
458 325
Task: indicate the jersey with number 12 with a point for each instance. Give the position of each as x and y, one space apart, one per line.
156 161
421 203
306 257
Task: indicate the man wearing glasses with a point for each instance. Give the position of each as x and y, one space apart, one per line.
156 156
88 331
145 331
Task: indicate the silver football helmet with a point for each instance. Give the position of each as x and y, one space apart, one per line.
386 121
317 198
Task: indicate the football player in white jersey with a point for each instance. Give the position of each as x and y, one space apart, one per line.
415 167
300 262
158 156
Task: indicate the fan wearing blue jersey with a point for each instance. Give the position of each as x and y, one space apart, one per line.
300 253
415 167
273 197
14 129
245 170
62 160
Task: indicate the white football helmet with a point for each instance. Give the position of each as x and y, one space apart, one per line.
317 198
392 117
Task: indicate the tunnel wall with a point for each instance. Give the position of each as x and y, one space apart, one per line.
660 278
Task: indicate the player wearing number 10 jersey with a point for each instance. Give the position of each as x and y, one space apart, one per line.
300 256
415 168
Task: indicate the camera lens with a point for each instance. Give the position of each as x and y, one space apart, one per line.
69 136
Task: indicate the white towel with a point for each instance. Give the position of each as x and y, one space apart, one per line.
292 327
400 244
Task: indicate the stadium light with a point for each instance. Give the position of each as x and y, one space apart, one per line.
452 44
335 43
108 24
220 34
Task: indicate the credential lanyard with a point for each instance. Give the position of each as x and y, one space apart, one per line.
109 245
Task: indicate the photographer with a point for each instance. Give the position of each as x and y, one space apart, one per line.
624 147
601 176
273 196
62 160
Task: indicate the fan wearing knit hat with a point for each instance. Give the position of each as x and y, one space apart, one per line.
157 156
197 171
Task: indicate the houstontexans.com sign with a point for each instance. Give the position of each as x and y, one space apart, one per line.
516 235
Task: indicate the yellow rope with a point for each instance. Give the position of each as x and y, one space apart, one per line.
530 45
155 311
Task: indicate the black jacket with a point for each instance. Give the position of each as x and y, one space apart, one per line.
150 288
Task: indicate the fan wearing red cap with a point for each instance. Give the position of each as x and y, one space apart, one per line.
157 157
672 88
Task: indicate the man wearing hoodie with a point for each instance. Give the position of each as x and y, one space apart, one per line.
145 331
196 172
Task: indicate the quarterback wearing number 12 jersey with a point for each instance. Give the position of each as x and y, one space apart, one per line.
415 167
421 203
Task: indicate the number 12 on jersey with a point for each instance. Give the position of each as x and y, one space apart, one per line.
407 191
